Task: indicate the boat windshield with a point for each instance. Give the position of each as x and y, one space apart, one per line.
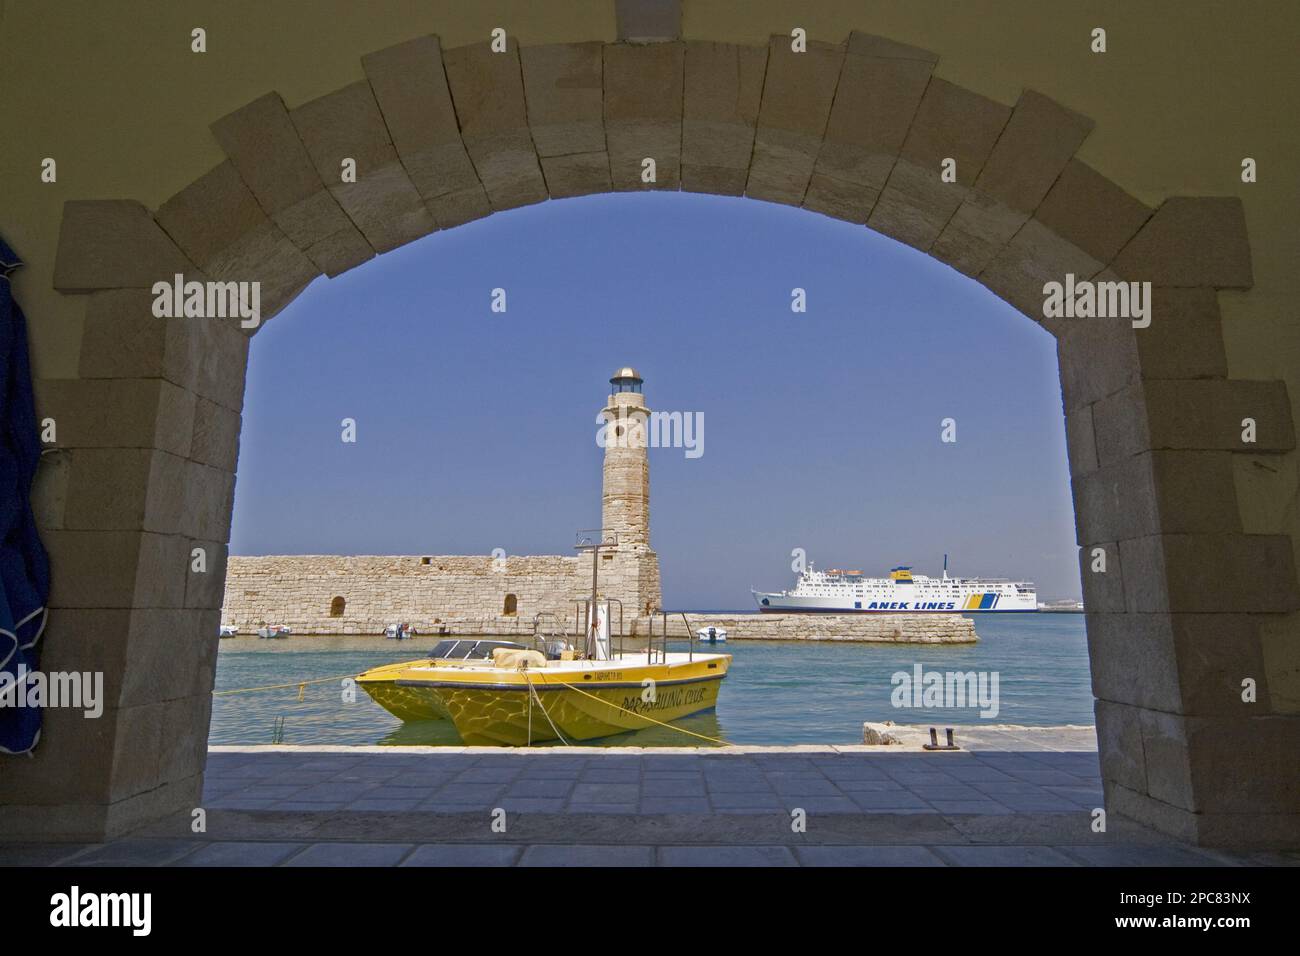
469 650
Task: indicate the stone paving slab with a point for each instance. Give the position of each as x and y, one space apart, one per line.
822 780
151 852
990 804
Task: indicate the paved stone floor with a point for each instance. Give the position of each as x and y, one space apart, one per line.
1012 800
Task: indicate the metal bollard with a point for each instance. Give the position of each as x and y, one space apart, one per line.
934 741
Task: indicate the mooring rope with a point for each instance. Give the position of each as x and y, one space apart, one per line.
533 691
680 730
300 684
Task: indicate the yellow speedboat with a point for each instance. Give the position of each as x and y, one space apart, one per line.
496 692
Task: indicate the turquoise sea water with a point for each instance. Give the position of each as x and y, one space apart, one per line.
796 692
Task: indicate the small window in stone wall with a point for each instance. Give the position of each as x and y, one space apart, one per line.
336 607
426 560
512 605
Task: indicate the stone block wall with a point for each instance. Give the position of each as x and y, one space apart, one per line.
856 628
461 593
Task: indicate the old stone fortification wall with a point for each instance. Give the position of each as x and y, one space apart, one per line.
377 591
434 593
877 628
466 594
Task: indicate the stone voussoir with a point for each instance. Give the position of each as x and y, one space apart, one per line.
1034 257
723 90
346 126
950 123
1191 241
1092 213
115 244
1037 143
879 89
643 113
219 224
798 91
487 90
262 142
410 85
563 86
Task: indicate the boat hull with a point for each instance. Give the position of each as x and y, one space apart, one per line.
777 603
497 706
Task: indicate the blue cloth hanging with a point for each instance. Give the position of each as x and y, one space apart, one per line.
24 566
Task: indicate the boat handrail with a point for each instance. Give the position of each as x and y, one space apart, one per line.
542 639
663 646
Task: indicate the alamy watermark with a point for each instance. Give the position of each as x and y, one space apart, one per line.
208 300
133 911
922 688
1086 299
624 428
72 690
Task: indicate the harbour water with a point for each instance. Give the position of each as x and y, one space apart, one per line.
786 692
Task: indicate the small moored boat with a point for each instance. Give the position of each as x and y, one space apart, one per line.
712 635
274 631
229 630
501 692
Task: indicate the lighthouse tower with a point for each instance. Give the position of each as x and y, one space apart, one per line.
631 571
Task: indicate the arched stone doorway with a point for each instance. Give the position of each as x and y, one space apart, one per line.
859 130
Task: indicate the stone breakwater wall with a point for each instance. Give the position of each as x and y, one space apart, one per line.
482 595
862 628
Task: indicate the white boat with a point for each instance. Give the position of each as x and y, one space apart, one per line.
399 632
229 630
274 631
1061 607
851 592
713 635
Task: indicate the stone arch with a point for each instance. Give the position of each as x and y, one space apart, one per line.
337 606
854 129
510 606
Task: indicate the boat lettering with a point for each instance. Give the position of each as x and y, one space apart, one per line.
911 606
666 699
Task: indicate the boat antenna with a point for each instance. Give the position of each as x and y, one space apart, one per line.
945 566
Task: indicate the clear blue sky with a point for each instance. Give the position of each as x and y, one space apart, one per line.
476 430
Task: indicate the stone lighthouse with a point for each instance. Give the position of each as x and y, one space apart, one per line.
631 571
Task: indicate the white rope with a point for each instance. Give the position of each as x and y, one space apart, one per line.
533 690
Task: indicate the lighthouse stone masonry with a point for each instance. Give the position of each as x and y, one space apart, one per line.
480 594
625 497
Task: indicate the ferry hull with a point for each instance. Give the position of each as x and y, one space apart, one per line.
787 604
494 706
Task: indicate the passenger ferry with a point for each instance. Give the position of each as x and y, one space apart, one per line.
903 592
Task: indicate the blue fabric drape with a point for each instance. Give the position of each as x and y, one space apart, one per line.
24 566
